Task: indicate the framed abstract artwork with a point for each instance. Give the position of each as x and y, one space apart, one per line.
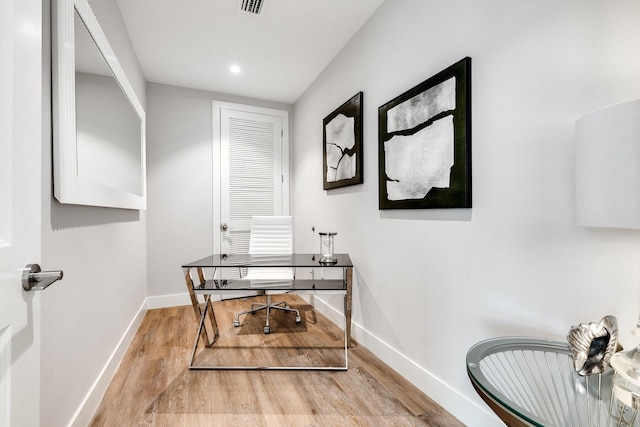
342 145
424 143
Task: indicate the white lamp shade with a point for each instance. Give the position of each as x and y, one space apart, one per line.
608 167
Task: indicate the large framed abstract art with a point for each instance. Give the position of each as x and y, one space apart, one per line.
424 143
342 145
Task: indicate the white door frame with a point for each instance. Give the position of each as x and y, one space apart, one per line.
20 208
217 107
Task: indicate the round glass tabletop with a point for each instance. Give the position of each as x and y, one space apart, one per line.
533 381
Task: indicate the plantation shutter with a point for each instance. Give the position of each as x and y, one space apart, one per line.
251 169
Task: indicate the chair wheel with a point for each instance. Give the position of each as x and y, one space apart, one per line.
298 319
266 330
236 323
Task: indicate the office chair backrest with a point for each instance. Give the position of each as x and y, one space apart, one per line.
271 235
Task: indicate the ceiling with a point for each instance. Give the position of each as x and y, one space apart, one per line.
280 52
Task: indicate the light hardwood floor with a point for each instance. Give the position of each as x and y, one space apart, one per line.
154 387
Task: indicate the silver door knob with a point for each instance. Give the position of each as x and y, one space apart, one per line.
34 279
224 226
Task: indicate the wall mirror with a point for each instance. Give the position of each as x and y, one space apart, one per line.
99 123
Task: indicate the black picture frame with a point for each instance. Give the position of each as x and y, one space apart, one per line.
342 145
423 134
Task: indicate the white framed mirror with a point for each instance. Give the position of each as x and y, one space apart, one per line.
98 121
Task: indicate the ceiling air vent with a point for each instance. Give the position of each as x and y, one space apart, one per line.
254 7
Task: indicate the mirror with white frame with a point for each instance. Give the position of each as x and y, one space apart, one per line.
99 123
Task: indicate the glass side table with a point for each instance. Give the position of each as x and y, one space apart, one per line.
532 382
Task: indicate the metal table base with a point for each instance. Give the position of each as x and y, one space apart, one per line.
209 306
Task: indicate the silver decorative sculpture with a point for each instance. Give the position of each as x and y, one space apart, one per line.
593 344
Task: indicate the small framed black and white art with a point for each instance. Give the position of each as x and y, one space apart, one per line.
424 143
342 145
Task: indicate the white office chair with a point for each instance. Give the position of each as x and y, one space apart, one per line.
270 236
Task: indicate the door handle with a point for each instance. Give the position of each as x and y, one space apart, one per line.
224 226
34 279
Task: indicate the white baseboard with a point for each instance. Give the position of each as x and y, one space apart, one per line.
90 403
465 410
164 301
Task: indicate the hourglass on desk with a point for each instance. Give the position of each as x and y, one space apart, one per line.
327 254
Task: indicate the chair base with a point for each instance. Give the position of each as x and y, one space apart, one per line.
282 305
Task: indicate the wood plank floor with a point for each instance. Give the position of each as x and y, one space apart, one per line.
154 387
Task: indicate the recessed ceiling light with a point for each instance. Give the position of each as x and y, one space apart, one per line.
235 69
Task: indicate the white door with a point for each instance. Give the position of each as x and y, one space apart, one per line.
251 147
20 213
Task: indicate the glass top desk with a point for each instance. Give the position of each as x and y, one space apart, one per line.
226 279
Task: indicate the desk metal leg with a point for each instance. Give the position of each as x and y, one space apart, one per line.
202 328
199 311
347 332
347 308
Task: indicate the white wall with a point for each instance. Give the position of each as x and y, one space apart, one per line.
431 283
103 255
180 183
